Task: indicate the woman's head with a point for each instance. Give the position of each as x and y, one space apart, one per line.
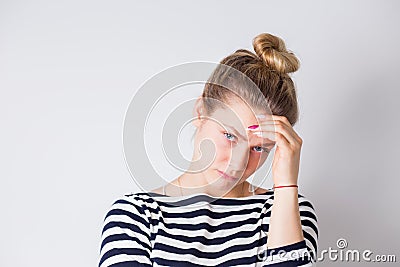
268 68
229 99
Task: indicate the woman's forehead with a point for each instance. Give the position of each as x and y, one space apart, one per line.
236 117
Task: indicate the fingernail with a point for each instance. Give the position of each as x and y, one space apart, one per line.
255 126
261 116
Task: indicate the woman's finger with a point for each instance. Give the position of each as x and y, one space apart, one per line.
276 128
284 122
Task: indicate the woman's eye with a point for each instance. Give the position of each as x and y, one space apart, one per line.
262 149
229 136
232 137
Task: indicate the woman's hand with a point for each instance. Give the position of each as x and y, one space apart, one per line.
285 166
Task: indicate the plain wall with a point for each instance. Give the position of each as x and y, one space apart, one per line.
68 70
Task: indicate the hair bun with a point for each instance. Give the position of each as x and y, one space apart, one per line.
272 50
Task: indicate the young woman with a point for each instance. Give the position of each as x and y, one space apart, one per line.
210 215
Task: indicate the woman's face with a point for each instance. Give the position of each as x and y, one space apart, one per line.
223 144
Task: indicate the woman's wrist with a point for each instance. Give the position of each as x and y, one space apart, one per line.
284 186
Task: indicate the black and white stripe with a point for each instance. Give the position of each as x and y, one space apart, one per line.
150 229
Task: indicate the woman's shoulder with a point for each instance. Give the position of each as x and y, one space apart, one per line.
133 197
138 202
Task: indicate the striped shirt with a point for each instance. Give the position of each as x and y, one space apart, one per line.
152 229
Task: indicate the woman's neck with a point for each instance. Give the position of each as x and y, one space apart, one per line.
197 183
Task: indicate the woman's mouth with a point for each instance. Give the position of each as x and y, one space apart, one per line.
227 176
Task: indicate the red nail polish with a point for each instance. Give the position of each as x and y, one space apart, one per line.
253 126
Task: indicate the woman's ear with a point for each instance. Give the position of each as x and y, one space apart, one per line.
198 112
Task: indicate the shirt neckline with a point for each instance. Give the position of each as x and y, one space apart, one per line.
209 196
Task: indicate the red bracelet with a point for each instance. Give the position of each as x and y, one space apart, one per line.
280 186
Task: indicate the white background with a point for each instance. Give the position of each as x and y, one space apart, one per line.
68 70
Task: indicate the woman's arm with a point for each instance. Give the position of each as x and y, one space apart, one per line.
294 252
285 225
285 233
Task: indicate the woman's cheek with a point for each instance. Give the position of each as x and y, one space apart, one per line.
223 146
257 159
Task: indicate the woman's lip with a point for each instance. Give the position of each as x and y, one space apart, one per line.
227 176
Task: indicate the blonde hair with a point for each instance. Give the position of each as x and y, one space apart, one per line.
268 68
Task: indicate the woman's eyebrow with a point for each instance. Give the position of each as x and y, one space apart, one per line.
234 130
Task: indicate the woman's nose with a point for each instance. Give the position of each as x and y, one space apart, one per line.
239 158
